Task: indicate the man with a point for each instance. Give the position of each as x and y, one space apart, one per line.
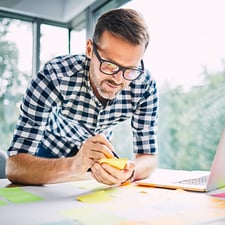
98 90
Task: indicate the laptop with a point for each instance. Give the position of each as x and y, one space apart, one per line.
200 181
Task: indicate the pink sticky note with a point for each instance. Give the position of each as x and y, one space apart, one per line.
220 195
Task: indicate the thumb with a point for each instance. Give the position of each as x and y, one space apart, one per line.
130 165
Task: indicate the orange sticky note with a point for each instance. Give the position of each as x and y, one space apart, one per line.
117 163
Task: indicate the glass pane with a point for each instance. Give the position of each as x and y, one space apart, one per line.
186 55
54 42
15 72
78 41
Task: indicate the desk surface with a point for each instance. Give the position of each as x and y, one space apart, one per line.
58 204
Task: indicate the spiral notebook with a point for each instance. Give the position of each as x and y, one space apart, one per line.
201 181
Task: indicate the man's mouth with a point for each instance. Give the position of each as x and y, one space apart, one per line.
112 84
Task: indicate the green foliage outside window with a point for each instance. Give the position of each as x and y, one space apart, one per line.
190 124
11 89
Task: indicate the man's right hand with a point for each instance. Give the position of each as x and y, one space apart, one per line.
92 150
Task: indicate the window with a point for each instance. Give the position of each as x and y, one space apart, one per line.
50 48
78 34
78 41
15 72
186 56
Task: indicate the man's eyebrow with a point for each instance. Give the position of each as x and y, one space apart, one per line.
111 60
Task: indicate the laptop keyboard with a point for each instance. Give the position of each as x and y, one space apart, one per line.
195 181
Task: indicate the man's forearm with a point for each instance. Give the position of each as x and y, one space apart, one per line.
28 169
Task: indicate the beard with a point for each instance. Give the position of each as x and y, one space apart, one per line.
106 93
101 86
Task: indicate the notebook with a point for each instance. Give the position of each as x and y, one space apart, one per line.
201 181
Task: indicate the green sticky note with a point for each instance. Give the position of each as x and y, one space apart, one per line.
2 203
18 195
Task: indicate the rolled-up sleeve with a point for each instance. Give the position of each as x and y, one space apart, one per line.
144 121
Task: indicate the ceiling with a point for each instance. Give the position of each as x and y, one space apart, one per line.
55 10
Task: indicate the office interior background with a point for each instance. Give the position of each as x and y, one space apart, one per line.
186 55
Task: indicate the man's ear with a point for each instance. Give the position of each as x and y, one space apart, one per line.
89 47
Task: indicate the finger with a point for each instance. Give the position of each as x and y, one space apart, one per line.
93 150
101 145
103 176
130 165
97 151
120 175
100 138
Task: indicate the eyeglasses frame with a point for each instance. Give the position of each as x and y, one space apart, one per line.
121 68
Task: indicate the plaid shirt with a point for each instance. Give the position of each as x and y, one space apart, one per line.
60 96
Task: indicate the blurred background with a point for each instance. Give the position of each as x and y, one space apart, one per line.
186 56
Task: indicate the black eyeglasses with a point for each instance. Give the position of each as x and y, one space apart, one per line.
110 68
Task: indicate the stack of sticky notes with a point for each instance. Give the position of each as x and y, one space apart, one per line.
115 162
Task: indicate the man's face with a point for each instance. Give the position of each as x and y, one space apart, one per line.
117 51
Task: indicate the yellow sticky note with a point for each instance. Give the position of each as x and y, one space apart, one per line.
94 197
118 163
89 215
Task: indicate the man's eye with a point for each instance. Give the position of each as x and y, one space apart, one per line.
109 66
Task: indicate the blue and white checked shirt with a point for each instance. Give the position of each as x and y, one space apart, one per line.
60 95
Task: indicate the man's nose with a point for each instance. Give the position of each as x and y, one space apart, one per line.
118 77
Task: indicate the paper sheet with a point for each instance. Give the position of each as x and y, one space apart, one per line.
90 185
64 222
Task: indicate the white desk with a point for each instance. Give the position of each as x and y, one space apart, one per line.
129 205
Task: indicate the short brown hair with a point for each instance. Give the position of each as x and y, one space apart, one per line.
125 23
